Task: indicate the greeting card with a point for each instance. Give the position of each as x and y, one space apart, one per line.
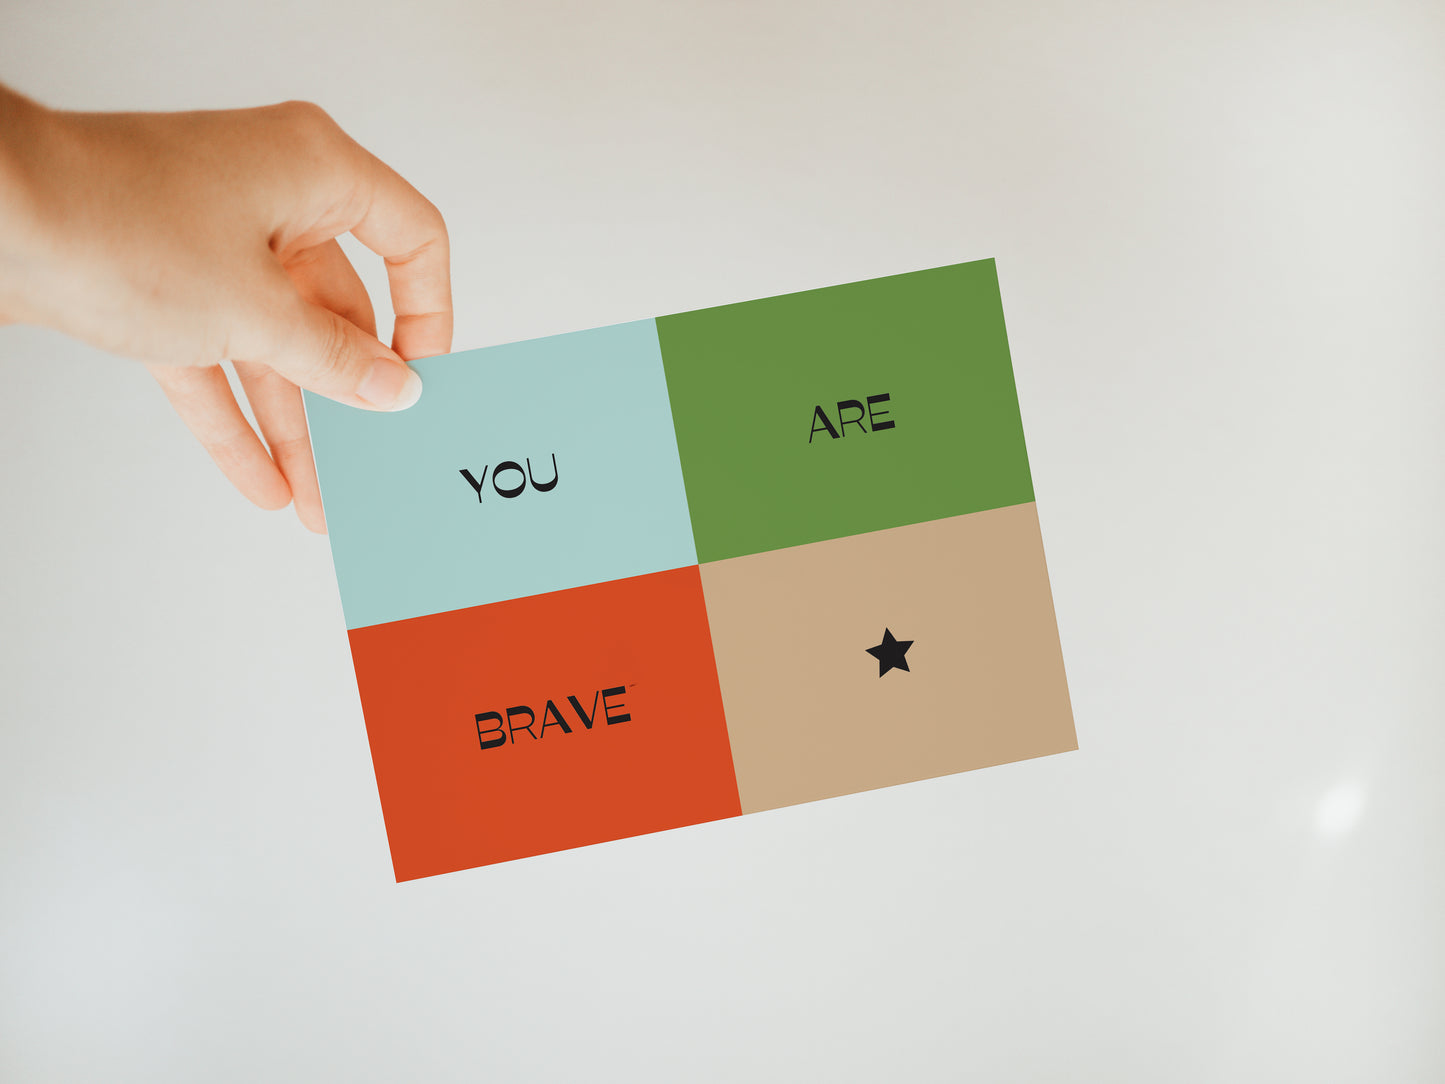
670 571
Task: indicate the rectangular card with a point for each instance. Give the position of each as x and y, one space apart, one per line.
669 571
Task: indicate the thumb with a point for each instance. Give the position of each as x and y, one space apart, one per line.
315 349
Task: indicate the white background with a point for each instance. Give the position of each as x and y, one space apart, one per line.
1219 234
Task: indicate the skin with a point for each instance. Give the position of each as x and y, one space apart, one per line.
185 240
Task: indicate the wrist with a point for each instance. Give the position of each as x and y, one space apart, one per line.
27 136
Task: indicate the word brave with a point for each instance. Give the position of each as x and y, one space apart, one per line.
823 424
508 465
551 716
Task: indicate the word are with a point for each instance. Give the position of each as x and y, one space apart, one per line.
507 466
823 424
494 736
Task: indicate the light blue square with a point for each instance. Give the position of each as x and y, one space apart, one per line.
409 534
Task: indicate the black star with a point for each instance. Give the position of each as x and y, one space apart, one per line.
890 653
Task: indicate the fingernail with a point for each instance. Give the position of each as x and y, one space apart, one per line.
390 386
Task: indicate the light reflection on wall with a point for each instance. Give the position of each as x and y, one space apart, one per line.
1340 808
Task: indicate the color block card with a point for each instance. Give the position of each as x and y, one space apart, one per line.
629 579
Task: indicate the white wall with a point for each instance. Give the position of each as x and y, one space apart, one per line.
1219 235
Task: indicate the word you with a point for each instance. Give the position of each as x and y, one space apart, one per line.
510 467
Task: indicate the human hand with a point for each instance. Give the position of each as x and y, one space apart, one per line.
187 239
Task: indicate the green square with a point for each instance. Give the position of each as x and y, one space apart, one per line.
756 390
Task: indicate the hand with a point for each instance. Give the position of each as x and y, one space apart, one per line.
187 239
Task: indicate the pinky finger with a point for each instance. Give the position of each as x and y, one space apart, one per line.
203 399
276 404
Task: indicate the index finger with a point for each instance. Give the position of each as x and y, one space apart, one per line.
406 230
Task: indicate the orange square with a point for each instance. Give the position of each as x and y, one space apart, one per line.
543 723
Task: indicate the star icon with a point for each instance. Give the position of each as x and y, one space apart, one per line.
890 653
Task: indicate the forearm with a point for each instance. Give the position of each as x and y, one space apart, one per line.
84 223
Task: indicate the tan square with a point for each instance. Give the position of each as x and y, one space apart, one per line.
809 716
